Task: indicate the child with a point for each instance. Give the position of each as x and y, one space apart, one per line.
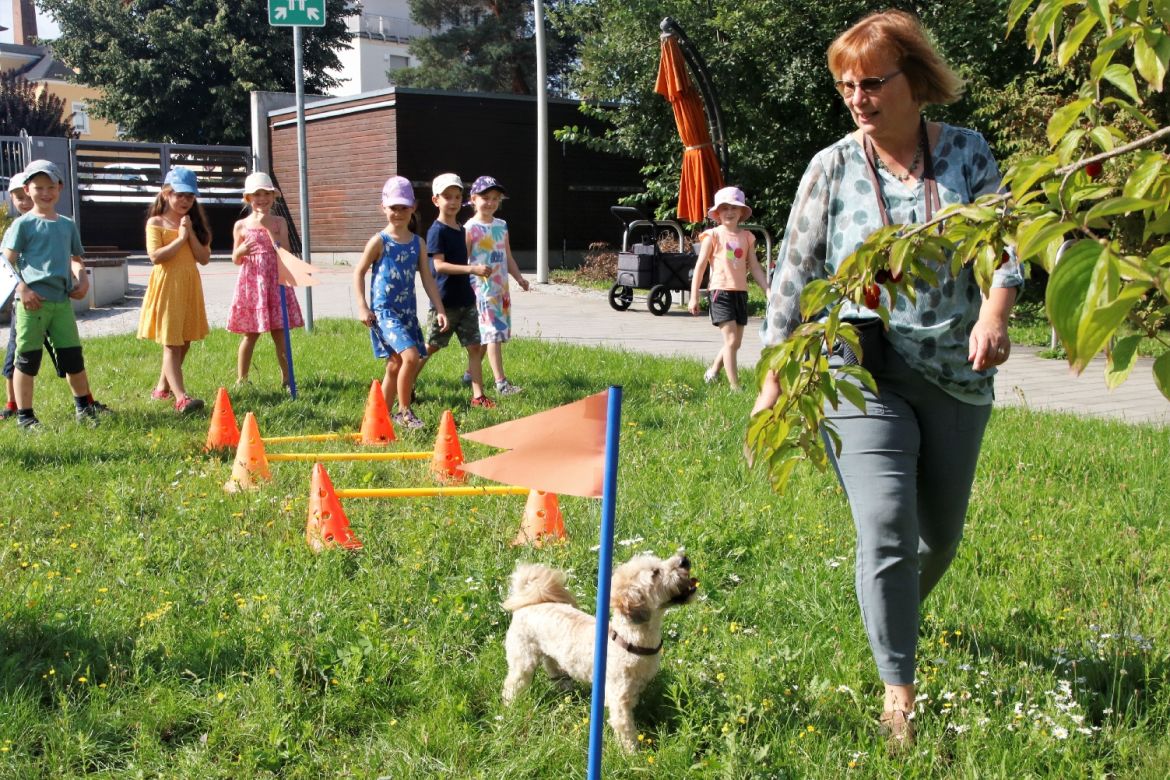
487 244
394 254
45 249
23 203
730 252
256 304
447 247
173 314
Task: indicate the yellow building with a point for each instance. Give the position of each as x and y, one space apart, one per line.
37 65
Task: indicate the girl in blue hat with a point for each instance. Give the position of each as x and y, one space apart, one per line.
178 240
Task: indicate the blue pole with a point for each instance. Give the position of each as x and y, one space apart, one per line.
613 423
292 378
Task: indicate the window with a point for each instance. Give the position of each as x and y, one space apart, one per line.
80 118
397 62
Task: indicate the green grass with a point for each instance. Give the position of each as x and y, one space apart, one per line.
155 626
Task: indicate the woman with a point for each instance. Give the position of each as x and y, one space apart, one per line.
908 464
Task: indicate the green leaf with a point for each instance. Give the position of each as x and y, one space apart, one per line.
1103 138
1149 166
1162 374
852 394
1101 9
1122 358
1016 10
1150 61
1063 118
1034 236
1102 322
1113 206
1076 36
1067 286
1122 78
1042 25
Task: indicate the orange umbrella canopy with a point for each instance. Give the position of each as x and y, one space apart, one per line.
701 176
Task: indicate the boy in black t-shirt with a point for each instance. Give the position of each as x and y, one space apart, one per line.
447 248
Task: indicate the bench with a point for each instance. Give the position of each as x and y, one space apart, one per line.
109 276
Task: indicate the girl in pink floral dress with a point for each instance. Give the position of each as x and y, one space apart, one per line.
256 304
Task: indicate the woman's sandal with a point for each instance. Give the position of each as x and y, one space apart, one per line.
899 729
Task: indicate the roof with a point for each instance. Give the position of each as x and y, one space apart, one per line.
40 64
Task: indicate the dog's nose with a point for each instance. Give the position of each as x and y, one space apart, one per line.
685 562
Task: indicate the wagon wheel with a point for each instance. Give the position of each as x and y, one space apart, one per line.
659 300
620 297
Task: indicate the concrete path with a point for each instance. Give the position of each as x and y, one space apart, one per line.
571 315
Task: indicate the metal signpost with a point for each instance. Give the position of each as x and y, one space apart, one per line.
298 14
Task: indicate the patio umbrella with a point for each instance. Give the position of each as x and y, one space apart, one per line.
700 167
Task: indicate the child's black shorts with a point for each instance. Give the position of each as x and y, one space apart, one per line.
728 305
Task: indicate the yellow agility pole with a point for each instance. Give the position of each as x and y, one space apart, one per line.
427 492
310 437
342 456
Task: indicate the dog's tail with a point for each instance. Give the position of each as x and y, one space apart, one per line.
534 583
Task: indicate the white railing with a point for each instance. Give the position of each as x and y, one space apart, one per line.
390 28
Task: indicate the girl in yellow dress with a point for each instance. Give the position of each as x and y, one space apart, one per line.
177 237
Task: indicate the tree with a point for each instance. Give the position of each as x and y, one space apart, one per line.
1097 197
767 62
23 107
182 70
482 46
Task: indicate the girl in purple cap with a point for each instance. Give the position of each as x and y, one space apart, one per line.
487 244
394 255
730 251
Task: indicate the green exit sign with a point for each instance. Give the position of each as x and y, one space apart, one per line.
296 13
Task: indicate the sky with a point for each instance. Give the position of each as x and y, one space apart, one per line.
46 27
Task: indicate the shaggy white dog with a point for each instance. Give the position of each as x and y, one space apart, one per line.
547 628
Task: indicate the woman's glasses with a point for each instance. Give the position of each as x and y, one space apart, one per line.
870 86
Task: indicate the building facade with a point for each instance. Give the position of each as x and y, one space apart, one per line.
381 33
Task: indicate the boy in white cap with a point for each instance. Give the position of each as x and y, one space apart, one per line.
23 204
447 246
45 249
730 252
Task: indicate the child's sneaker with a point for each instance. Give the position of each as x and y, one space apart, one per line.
465 380
161 395
7 413
504 387
408 419
188 405
101 408
87 415
29 424
710 376
483 402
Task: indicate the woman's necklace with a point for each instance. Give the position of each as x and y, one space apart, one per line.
909 174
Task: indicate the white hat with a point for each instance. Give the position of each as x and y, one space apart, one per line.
731 196
16 182
445 180
258 181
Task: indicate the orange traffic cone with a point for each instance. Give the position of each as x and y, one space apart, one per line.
327 522
376 425
251 465
448 458
542 520
223 433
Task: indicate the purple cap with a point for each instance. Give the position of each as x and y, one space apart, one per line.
485 183
397 192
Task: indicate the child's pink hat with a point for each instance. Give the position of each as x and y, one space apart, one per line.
397 192
731 196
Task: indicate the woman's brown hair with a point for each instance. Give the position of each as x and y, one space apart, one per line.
199 221
899 35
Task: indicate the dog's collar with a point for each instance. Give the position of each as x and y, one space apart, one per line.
632 648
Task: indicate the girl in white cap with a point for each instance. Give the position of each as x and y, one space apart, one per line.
730 252
173 313
256 303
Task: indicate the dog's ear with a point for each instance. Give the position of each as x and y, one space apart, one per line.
631 596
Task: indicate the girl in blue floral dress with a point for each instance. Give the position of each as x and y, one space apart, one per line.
394 255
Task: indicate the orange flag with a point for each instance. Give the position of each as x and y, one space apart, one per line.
293 271
560 451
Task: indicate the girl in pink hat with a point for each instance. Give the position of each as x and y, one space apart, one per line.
256 304
730 252
392 258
